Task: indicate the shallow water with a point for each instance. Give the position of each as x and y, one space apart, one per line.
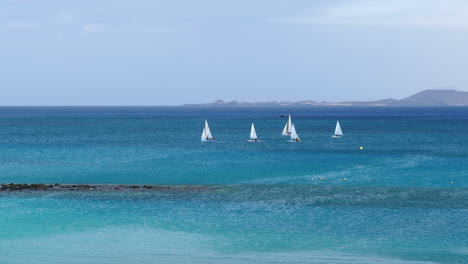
404 200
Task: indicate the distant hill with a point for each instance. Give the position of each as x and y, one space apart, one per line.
437 97
424 98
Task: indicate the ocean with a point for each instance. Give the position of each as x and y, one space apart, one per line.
402 198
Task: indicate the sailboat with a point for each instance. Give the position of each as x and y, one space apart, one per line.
294 135
206 135
253 135
287 127
338 132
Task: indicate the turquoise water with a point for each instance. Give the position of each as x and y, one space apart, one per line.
405 199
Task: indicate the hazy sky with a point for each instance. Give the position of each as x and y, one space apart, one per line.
151 52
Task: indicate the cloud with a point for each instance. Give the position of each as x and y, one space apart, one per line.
427 13
94 27
128 28
17 25
150 28
66 18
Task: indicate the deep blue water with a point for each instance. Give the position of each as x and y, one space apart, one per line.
405 198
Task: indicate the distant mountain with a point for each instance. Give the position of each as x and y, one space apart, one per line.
424 98
437 97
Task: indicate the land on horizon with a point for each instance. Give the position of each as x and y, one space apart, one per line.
424 98
439 97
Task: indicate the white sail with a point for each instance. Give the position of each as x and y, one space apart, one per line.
208 131
285 130
203 135
287 127
338 131
294 135
206 134
253 134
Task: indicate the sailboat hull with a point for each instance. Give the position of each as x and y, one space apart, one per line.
336 136
252 140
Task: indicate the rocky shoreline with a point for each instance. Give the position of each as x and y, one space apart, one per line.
8 187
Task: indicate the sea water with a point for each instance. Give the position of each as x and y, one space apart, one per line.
402 198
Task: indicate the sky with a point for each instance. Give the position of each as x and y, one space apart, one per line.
152 52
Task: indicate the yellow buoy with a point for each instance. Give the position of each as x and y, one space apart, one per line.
344 179
452 182
321 179
361 147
